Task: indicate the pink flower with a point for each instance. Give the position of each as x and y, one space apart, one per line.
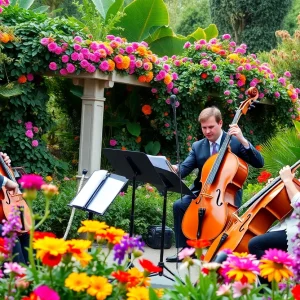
63 72
167 125
168 101
167 67
74 56
240 289
213 67
29 134
175 91
30 77
52 47
53 66
28 125
113 143
226 36
279 257
14 268
31 181
44 41
77 47
186 252
227 93
187 45
91 68
287 74
34 143
121 194
110 37
58 50
224 290
174 76
129 49
66 178
202 42
229 101
78 39
217 79
231 82
45 293
138 63
84 63
35 129
71 68
19 121
282 81
104 66
277 94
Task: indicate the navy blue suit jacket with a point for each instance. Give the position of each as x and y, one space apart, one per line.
201 152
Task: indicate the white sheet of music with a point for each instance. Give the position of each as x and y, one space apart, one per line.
106 195
89 188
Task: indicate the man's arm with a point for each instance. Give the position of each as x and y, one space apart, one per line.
9 184
5 158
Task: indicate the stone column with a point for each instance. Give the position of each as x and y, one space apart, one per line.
92 124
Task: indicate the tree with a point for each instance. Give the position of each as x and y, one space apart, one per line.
195 14
252 22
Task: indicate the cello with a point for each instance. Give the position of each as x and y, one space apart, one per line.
223 174
263 209
8 202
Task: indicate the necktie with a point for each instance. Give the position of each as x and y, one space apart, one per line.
214 148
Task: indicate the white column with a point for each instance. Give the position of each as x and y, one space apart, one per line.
91 124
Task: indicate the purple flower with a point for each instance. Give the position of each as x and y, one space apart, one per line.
29 134
30 77
127 245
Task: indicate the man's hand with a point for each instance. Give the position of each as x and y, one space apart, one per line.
5 158
175 168
236 131
286 174
12 186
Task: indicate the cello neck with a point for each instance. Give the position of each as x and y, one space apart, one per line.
6 169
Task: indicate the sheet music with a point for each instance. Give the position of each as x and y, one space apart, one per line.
89 188
161 162
106 195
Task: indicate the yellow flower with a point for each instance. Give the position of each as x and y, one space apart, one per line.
238 274
99 287
159 292
137 278
93 226
233 56
78 249
240 254
138 293
77 282
50 245
49 190
48 178
274 271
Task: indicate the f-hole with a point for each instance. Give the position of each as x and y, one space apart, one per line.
218 198
8 197
241 228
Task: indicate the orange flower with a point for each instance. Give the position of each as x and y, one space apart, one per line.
121 276
146 109
142 78
290 93
242 78
149 76
126 62
258 147
123 148
40 235
168 79
203 75
22 79
199 244
216 49
138 139
4 37
111 65
142 50
166 114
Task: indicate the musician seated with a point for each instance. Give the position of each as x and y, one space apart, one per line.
280 236
20 254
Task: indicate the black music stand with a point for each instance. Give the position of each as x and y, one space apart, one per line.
137 166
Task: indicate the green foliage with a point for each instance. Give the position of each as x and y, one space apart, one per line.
57 221
10 90
289 20
246 20
287 145
194 15
250 190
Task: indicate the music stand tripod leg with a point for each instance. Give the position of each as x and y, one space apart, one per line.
162 244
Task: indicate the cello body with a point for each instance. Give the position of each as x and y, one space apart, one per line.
217 198
272 206
9 202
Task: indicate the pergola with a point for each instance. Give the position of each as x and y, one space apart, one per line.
92 114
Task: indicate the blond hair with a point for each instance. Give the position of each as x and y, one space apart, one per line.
210 112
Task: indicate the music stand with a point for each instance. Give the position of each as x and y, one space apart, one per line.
137 166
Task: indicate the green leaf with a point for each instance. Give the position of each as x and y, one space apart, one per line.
198 34
134 128
113 9
168 45
297 125
23 3
152 294
141 16
41 9
211 32
152 148
10 90
76 90
103 6
160 33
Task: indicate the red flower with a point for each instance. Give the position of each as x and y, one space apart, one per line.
149 266
2 246
296 292
146 109
198 244
40 235
203 75
122 276
51 260
258 147
32 296
264 176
